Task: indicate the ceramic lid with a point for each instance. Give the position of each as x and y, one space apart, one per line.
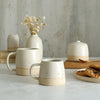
77 49
77 43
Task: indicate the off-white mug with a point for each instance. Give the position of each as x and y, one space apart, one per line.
25 57
13 42
51 72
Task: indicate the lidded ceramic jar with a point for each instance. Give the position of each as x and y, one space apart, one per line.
77 50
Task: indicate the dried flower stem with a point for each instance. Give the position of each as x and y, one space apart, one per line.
34 24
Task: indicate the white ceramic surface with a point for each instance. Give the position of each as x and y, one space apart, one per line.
12 42
25 57
79 50
52 69
51 72
35 42
88 79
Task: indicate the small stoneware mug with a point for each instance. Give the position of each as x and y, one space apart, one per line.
51 72
25 57
78 50
13 42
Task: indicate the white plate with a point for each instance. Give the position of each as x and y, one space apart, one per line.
88 79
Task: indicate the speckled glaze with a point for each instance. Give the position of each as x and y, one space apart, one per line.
12 42
77 50
25 57
51 72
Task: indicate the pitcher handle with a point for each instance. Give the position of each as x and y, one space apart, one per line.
12 53
33 65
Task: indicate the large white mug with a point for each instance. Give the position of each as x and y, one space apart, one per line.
25 57
51 72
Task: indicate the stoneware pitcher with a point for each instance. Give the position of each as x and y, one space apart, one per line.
25 57
77 50
51 72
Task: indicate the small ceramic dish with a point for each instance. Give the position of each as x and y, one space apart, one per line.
84 78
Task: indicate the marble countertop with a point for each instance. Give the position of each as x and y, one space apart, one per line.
14 87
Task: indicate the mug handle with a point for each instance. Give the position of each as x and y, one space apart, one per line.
12 53
33 65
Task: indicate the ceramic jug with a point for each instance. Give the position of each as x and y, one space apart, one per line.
77 50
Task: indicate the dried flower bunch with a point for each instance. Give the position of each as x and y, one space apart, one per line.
34 24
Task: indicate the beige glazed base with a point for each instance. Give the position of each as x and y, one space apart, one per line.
76 58
12 48
52 81
26 71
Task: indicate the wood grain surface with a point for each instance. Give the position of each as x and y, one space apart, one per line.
78 65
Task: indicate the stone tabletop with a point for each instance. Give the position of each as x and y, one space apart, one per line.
14 87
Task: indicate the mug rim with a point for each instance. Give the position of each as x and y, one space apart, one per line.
27 49
52 60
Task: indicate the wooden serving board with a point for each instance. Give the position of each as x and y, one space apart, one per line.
3 57
77 65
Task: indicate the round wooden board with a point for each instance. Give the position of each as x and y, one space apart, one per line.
87 79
